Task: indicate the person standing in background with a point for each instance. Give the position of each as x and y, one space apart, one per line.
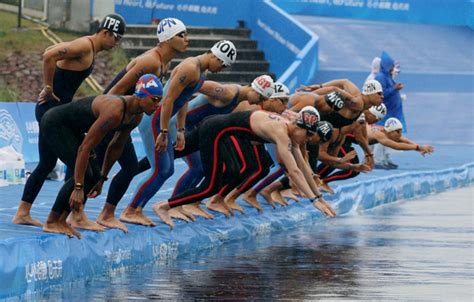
65 66
393 101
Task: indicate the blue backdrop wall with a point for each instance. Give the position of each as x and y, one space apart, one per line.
443 12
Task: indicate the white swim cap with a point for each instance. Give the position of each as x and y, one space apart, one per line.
371 87
263 85
226 52
378 111
168 28
392 124
281 91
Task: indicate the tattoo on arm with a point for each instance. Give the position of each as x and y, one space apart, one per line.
182 79
105 126
62 52
274 116
219 90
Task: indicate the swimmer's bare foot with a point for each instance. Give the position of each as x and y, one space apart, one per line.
135 216
186 213
325 187
231 201
216 203
250 197
79 220
147 219
176 213
54 225
268 197
107 218
195 209
278 198
22 215
161 210
289 194
72 230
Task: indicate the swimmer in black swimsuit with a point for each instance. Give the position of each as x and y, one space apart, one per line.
64 129
258 126
65 66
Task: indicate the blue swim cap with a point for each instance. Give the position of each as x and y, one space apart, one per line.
148 85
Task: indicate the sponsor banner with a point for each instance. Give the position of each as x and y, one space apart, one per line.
212 13
30 130
11 133
454 12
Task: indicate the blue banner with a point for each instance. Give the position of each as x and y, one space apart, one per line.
30 131
11 132
212 13
453 12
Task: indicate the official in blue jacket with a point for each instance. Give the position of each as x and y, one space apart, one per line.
391 90
393 101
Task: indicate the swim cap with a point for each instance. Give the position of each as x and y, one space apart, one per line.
263 85
281 91
371 87
324 130
168 28
225 51
148 85
308 119
114 23
392 124
378 111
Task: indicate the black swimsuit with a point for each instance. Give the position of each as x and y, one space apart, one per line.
65 84
336 119
64 128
